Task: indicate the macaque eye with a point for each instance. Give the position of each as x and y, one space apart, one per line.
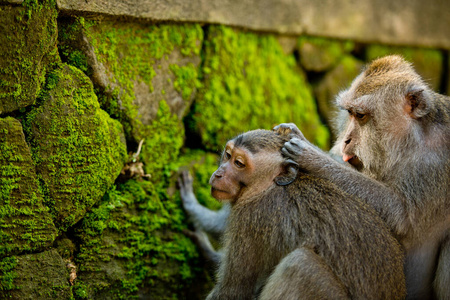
239 164
227 155
360 117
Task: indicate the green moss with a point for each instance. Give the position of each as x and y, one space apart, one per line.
186 79
69 35
130 53
28 50
25 223
132 241
163 143
7 274
250 83
78 149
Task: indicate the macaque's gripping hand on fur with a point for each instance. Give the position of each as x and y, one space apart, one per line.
298 149
288 128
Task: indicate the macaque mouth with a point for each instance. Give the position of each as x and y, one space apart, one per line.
355 162
220 194
214 190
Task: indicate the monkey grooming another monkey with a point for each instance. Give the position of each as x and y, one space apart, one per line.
292 235
396 132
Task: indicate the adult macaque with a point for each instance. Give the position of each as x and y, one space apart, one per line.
292 235
396 132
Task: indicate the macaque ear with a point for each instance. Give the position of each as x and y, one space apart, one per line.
417 102
289 173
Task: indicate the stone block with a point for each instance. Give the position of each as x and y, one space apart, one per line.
136 66
78 149
249 83
319 54
27 47
38 276
25 222
403 22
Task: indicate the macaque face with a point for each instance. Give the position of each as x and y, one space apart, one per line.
236 167
243 173
352 136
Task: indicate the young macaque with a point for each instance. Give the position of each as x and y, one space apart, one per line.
292 235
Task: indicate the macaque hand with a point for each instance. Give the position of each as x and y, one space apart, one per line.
287 128
185 182
302 152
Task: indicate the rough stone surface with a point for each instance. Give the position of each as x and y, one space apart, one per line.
131 244
148 103
250 83
319 54
25 223
136 66
39 276
79 150
414 22
27 46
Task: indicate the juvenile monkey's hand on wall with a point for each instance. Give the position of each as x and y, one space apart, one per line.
204 219
187 195
213 222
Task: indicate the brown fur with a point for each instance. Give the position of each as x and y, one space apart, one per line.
396 132
313 238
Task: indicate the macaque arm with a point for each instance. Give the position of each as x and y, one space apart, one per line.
303 272
389 204
206 249
203 218
239 269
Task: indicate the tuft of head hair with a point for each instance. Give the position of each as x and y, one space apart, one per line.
390 63
391 70
260 139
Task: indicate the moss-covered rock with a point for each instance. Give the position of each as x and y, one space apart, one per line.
25 223
78 149
250 83
320 54
427 62
135 66
162 144
27 48
132 245
37 276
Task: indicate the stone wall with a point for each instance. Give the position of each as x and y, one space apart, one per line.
85 213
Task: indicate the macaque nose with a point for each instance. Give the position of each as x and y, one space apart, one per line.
218 173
